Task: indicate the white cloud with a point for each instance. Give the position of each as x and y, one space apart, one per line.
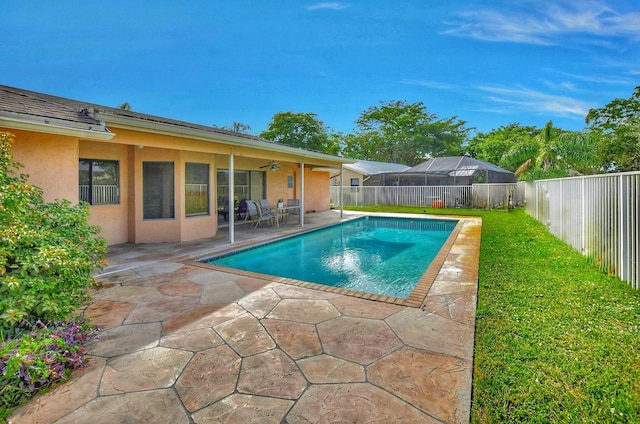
328 5
430 84
599 79
548 24
527 100
564 85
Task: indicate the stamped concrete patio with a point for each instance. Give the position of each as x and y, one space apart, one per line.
181 343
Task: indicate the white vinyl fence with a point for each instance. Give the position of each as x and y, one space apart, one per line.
483 196
597 215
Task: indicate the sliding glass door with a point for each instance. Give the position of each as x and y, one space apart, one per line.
247 185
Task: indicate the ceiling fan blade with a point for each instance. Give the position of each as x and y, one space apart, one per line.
272 164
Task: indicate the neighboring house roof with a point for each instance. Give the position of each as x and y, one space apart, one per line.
369 167
38 111
459 166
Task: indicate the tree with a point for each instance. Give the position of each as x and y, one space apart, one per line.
125 106
492 146
618 125
238 127
301 130
552 153
401 132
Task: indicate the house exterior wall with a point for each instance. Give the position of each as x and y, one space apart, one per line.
347 175
316 194
112 219
277 182
51 161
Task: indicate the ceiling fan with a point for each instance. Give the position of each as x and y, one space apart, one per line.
273 165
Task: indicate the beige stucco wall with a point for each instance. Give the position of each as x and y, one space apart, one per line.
52 164
51 161
317 196
316 191
347 174
111 218
155 230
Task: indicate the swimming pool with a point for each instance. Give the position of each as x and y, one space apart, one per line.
379 255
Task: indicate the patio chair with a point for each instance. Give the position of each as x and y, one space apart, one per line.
259 214
264 205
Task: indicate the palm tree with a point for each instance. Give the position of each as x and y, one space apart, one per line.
554 152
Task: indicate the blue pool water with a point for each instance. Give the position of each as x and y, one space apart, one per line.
385 256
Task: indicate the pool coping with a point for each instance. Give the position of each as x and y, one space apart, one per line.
415 299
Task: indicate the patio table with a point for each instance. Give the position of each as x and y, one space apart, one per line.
282 212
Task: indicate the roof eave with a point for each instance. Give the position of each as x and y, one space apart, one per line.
53 126
201 135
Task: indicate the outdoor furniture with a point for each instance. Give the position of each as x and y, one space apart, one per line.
293 208
241 212
282 212
258 215
224 210
264 204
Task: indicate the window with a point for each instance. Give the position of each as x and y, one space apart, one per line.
157 190
99 182
196 194
289 181
355 182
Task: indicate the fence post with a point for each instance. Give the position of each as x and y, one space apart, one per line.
622 230
583 216
562 210
535 188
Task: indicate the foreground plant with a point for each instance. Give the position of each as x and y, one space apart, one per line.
40 358
48 251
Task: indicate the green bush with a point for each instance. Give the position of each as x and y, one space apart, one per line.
40 358
48 252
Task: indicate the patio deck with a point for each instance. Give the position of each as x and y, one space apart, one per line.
185 344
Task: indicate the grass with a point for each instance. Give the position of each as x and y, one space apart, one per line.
556 339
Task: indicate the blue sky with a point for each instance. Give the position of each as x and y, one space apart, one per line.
489 63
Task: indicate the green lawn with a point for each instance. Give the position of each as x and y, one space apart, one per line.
557 341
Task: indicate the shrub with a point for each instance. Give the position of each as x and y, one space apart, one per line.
40 358
48 251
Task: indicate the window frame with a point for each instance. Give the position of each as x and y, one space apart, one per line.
170 203
207 191
90 196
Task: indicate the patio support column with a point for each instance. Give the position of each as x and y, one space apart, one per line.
341 190
232 215
302 193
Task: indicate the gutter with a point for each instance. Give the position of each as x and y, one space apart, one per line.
55 126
